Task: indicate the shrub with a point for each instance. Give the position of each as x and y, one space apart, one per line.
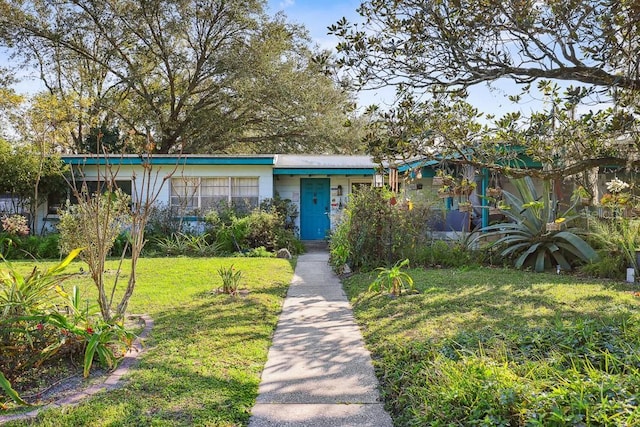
618 238
259 228
609 266
285 208
377 230
28 247
439 253
163 221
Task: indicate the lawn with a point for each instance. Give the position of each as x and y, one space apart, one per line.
205 353
487 346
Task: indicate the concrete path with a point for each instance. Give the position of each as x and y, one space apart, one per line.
318 372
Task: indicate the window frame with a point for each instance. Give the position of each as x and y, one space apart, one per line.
229 197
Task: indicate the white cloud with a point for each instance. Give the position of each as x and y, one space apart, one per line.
286 3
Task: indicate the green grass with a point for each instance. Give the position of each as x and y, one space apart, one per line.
502 347
205 353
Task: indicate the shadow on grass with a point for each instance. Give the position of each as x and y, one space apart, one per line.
456 300
202 366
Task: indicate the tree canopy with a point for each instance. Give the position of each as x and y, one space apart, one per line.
433 51
192 75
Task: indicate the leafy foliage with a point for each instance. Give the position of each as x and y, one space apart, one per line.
38 320
393 280
617 237
459 44
178 377
375 232
489 346
186 245
528 239
201 76
28 247
30 176
260 228
436 54
230 279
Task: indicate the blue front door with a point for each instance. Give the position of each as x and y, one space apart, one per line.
314 208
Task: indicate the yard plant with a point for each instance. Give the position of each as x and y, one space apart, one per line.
529 239
205 353
488 346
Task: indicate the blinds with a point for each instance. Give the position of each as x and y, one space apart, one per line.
190 193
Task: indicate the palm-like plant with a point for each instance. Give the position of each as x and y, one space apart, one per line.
528 239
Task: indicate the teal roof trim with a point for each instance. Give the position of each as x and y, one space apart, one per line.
169 160
324 171
417 164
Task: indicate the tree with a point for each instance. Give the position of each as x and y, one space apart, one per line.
198 76
457 44
100 217
29 177
434 51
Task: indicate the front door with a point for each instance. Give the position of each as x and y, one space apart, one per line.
314 208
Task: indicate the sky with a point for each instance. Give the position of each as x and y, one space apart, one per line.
317 15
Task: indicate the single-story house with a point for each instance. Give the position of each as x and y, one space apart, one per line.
318 184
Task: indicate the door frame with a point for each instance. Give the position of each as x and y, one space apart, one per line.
303 219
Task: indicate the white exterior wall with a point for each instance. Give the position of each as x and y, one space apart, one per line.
126 172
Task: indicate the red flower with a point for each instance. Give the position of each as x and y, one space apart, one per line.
89 329
39 326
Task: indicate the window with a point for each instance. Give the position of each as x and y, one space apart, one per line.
57 200
190 194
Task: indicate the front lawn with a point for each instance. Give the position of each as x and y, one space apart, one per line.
502 347
205 353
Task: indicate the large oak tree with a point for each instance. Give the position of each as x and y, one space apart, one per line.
194 75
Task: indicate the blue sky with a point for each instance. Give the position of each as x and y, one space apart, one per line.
317 15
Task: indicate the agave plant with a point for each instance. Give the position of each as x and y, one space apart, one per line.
537 236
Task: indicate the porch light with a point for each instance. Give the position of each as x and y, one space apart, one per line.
378 180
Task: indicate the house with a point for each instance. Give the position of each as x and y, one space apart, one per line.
318 184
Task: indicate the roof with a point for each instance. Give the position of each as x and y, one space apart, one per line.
170 159
289 164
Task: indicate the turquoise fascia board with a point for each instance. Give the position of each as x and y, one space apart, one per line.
172 160
417 164
318 171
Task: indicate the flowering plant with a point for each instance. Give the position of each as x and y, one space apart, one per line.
616 185
15 224
230 279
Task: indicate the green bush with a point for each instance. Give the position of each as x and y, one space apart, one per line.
379 230
286 209
440 253
29 247
258 229
611 265
582 373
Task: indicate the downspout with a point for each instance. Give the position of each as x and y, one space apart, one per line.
485 201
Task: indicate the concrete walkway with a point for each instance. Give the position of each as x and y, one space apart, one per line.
318 372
